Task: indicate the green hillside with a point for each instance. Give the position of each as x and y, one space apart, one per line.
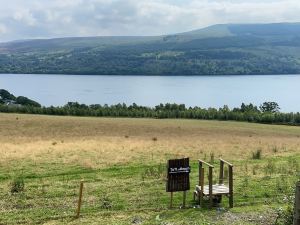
218 49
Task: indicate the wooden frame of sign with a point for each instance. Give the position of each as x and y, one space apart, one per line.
178 178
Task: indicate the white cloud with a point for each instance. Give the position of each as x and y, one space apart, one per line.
3 29
25 16
57 18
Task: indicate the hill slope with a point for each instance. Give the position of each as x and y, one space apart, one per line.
218 49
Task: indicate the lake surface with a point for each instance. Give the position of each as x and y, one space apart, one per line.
203 91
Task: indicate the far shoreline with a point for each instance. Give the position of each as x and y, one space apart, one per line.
154 75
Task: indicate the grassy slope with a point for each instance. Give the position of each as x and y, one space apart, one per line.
123 169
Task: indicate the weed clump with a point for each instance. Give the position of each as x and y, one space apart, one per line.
106 203
157 172
285 216
257 154
17 185
270 168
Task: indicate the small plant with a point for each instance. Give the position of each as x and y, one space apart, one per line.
126 136
105 202
157 172
254 170
257 154
17 185
154 139
270 167
275 149
284 216
54 143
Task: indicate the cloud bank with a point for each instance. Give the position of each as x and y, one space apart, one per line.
21 19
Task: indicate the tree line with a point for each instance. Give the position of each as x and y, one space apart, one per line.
268 112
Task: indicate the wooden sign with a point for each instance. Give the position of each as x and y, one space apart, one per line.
178 175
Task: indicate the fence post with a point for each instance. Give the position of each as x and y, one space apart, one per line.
171 200
297 205
202 188
79 200
210 186
221 176
231 186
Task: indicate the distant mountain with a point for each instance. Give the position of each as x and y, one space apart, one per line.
219 49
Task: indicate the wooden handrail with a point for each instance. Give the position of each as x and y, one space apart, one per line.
224 161
209 165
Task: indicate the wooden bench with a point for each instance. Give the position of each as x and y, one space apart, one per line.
214 191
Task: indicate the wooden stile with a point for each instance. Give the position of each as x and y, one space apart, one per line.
214 191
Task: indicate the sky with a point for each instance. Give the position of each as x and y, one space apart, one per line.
28 19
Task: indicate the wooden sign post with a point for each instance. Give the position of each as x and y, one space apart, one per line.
178 178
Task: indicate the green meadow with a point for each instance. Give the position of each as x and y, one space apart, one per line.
122 163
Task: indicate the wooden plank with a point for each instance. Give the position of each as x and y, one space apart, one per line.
224 161
209 165
217 189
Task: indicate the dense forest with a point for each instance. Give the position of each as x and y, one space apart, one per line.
268 112
220 49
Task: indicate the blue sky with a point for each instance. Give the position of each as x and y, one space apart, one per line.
26 19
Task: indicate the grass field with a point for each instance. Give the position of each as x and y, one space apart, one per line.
122 163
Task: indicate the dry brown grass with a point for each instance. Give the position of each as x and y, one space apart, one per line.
98 142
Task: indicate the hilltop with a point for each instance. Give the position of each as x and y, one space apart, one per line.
219 49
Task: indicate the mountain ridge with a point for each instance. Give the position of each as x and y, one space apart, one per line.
218 49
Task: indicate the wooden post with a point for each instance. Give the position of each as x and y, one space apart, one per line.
230 186
210 184
202 187
200 168
221 176
79 200
171 200
184 199
297 205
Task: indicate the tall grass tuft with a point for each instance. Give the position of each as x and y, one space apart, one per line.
17 185
257 154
